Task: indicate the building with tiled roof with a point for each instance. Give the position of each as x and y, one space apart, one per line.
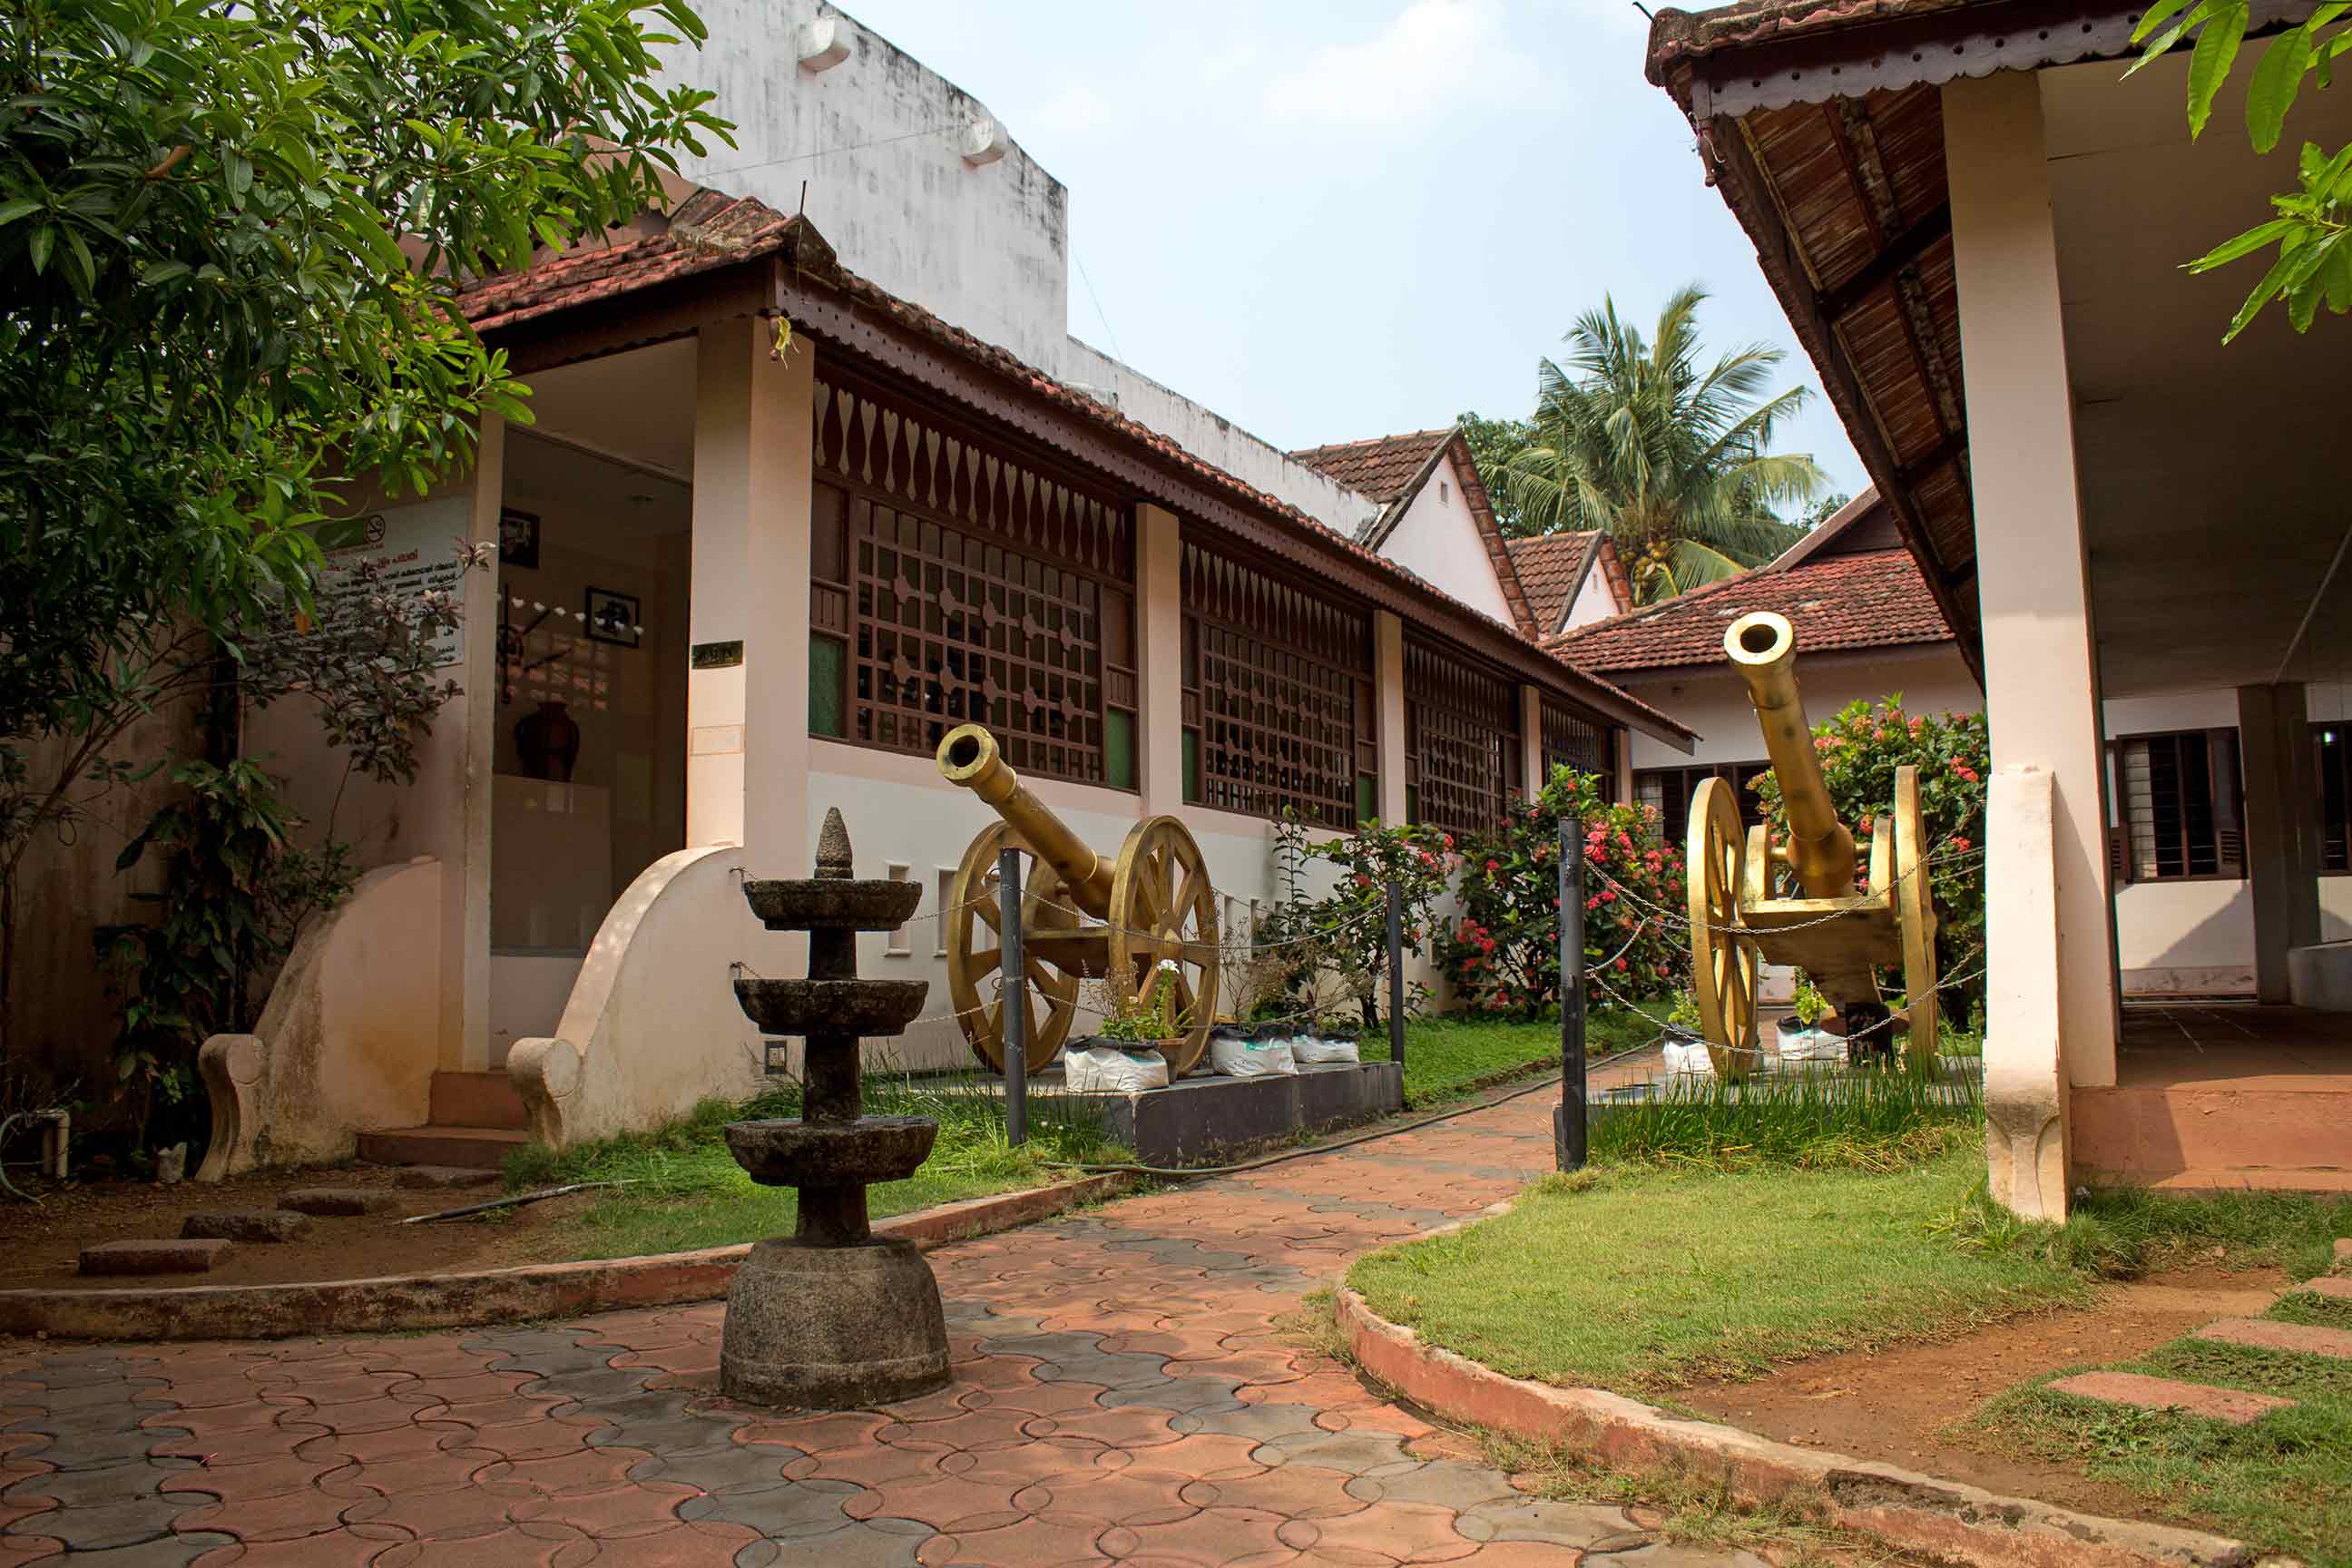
1435 517
1571 579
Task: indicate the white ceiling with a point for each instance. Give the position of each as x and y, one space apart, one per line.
638 405
2211 490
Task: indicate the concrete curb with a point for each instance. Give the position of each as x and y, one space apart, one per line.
529 1293
1946 1520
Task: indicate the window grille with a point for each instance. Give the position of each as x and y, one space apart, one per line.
1575 739
1278 697
2179 803
2331 747
952 581
1462 741
1671 789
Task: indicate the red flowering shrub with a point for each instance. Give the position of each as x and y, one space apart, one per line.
1503 952
1860 750
1343 935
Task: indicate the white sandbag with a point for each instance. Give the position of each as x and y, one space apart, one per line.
1689 1058
1251 1059
1312 1048
1811 1045
1107 1069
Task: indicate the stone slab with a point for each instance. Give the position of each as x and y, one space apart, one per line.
182 1256
2343 1253
1209 1119
338 1203
247 1225
2334 1287
437 1178
2234 1405
2261 1334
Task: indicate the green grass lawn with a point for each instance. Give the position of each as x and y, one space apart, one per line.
1445 1059
2283 1482
1639 1277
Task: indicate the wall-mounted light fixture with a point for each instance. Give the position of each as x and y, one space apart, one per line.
983 140
822 45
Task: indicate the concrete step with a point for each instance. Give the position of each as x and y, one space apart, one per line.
2234 1405
2272 1132
338 1203
247 1225
477 1100
2263 1335
477 1147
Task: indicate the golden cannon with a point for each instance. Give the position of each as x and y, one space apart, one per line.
1839 936
1083 915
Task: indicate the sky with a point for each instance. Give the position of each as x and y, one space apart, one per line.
1333 219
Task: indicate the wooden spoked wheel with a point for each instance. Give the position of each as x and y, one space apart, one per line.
1723 964
1914 917
1163 907
976 952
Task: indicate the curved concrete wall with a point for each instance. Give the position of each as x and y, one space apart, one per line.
652 1027
344 1046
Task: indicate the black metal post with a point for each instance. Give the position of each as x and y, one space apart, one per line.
1396 978
1568 1126
1012 978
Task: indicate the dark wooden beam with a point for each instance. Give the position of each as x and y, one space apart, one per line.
1904 250
1757 204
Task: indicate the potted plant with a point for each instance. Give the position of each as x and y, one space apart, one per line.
1150 1020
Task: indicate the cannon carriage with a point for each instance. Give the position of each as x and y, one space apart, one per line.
1083 915
1754 899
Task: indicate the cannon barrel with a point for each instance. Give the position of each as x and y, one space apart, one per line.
969 756
1763 649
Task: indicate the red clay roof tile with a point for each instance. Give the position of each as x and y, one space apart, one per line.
1876 599
1381 468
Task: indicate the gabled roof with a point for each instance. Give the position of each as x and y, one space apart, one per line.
1377 462
1553 568
1384 468
709 232
1837 604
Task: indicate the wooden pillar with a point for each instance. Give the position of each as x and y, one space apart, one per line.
1388 667
465 885
1159 659
2281 828
1531 765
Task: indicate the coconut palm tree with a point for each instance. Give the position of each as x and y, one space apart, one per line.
1670 455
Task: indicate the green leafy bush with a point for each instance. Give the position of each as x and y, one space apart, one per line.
1342 935
1503 954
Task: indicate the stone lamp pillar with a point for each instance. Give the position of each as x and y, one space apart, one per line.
832 1319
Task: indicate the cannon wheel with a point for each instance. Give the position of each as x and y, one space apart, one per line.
1915 913
974 951
1722 966
1163 907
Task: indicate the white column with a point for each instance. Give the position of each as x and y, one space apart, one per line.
2025 1087
465 1044
718 607
2281 828
1621 745
1159 659
1531 767
2042 689
778 837
1388 670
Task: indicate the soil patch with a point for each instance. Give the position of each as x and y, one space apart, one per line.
1900 1405
40 1245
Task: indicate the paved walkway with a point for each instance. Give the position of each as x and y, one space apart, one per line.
1123 1394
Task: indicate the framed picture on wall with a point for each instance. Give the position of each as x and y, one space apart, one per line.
613 618
519 539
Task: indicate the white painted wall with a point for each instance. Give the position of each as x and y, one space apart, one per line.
1438 539
880 138
1214 439
1593 601
1932 680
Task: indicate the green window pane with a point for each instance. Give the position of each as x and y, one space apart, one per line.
1118 748
1412 802
1193 765
1368 797
825 714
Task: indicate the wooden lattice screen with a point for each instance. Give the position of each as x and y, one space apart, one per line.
1278 697
951 582
1576 739
1462 740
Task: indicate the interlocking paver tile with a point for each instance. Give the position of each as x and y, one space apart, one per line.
1122 1389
